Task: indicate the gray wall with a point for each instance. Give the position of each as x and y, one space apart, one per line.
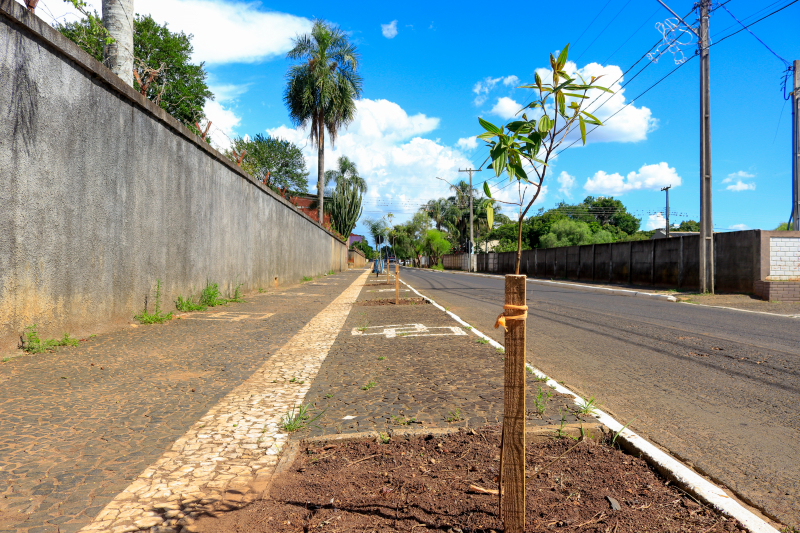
741 259
102 193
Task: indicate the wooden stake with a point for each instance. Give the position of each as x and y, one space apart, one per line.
513 452
396 284
387 270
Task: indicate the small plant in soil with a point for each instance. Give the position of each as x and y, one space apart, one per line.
381 358
210 296
482 341
454 416
589 406
237 295
261 290
401 420
368 386
541 400
306 278
329 395
33 344
295 380
384 438
186 305
157 317
616 434
563 423
299 417
501 350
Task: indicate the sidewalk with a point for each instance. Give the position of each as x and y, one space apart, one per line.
78 426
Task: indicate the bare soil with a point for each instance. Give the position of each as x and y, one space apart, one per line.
424 484
390 301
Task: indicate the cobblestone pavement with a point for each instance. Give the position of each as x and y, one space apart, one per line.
79 425
420 369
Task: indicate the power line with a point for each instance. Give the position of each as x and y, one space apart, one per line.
603 30
590 23
632 34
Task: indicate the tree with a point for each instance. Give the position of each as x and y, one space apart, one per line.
119 51
346 207
436 245
280 163
377 228
346 171
177 85
692 225
534 141
364 246
566 232
323 89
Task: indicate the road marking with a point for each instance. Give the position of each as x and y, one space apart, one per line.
742 310
684 476
409 330
386 290
229 316
229 455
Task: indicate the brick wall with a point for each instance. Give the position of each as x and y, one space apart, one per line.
778 291
784 259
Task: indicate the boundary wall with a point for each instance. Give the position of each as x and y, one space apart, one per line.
356 258
742 258
103 193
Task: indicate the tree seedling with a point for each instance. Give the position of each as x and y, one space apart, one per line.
540 402
454 416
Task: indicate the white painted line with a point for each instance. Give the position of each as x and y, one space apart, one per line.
409 330
686 478
742 310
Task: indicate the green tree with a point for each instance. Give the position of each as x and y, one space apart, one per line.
345 207
558 106
567 232
322 90
436 245
692 225
163 57
279 162
364 246
346 171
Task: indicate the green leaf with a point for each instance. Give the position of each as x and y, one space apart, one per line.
544 124
486 190
488 126
576 95
583 128
561 102
562 57
538 80
486 135
516 126
596 120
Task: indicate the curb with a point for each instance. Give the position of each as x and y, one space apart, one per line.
668 466
577 286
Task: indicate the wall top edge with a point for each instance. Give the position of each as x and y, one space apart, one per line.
20 18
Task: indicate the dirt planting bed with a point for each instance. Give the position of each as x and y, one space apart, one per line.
433 483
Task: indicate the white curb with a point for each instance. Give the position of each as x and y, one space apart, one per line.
682 475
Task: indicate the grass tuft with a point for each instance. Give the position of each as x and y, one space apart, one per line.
299 417
33 344
210 295
157 317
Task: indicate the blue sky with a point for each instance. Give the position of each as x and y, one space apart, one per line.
431 69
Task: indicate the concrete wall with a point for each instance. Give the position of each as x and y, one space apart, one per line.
103 193
356 258
742 258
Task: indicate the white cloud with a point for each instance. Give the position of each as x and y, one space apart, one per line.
220 111
656 221
650 177
566 183
741 186
389 30
224 32
467 143
736 181
398 163
739 227
482 88
506 108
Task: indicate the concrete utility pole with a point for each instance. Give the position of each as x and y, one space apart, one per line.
796 148
706 222
666 190
118 21
471 241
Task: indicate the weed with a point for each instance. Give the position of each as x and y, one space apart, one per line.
6 359
539 379
330 273
468 327
295 380
563 419
616 434
589 406
541 400
306 278
368 386
210 296
482 341
586 433
93 335
401 420
186 305
790 529
384 438
237 295
33 344
501 350
261 290
454 416
299 417
157 317
329 395
446 309
381 358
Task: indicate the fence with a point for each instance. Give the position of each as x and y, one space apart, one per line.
742 258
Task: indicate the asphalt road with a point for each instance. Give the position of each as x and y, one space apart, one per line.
718 388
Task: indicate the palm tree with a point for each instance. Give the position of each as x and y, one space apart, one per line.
323 89
118 53
437 210
346 171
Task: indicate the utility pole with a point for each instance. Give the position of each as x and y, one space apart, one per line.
666 190
706 222
471 241
796 148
